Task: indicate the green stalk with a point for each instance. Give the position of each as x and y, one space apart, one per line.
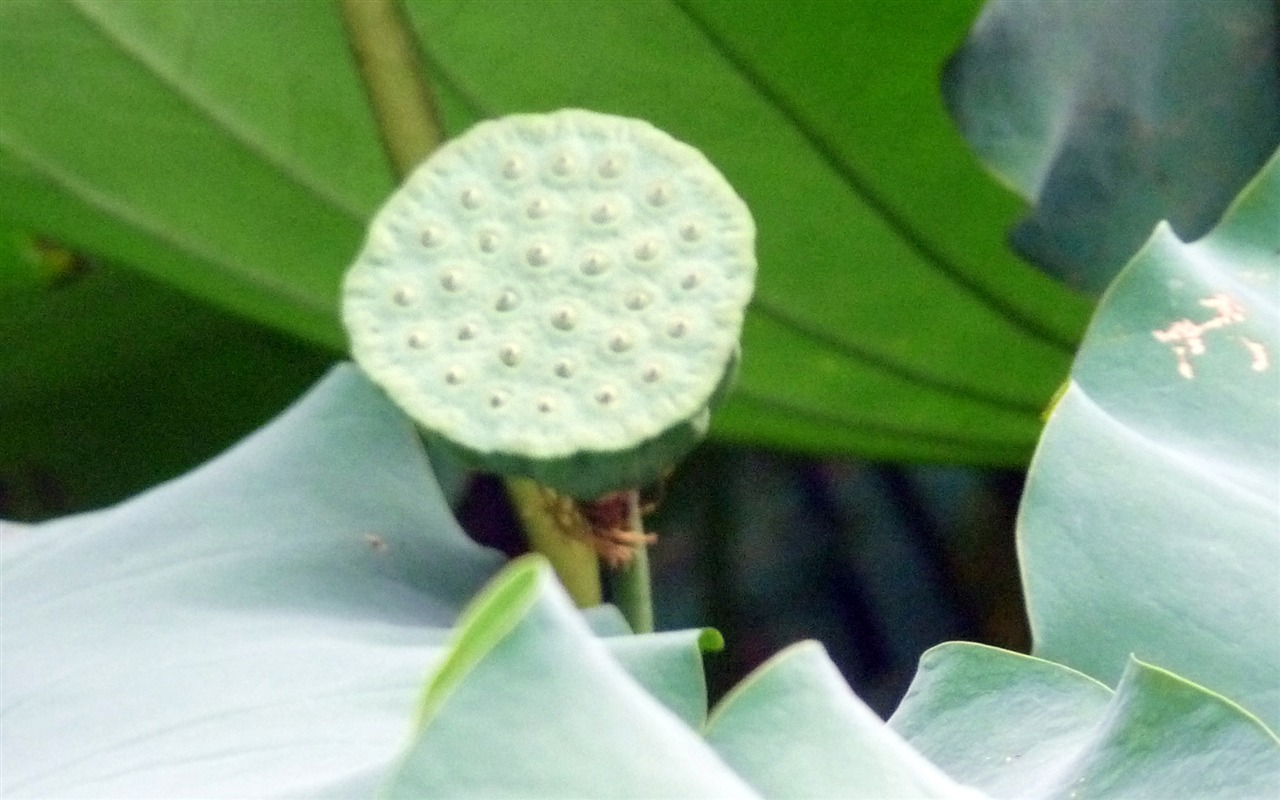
391 66
632 585
573 559
408 120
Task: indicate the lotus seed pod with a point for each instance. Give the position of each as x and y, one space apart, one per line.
557 296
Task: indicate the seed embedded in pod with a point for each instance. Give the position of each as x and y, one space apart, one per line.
455 376
538 208
647 250
509 354
513 168
651 373
489 241
417 340
539 255
678 327
507 300
594 263
606 395
691 231
564 318
604 213
691 281
660 194
471 198
546 405
563 368
468 331
404 296
497 399
431 236
638 299
620 342
451 280
562 165
610 167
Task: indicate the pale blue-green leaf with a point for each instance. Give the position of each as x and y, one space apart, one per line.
259 627
554 711
1001 721
1112 115
1018 727
794 729
1151 519
256 628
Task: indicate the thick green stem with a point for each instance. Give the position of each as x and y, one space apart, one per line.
573 559
408 119
632 586
390 65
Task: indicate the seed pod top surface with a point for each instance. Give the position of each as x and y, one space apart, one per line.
546 285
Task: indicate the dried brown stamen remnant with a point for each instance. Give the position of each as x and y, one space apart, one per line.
604 523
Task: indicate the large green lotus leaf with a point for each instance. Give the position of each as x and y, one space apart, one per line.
1021 728
1111 115
259 627
181 138
113 382
1151 518
794 729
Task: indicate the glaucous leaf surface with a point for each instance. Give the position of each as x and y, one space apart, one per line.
527 683
794 729
180 138
1019 727
528 679
1151 519
1111 115
259 627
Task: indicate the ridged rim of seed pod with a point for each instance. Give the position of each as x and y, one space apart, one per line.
547 285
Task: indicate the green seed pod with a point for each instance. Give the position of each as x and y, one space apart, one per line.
558 296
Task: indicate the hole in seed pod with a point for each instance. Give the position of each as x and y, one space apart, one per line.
451 280
660 194
564 318
431 236
562 166
563 368
404 296
620 342
610 167
594 263
538 255
497 400
489 241
417 340
509 354
537 208
471 198
513 168
455 376
468 331
677 328
606 395
691 231
546 405
638 299
652 373
507 300
691 281
604 213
